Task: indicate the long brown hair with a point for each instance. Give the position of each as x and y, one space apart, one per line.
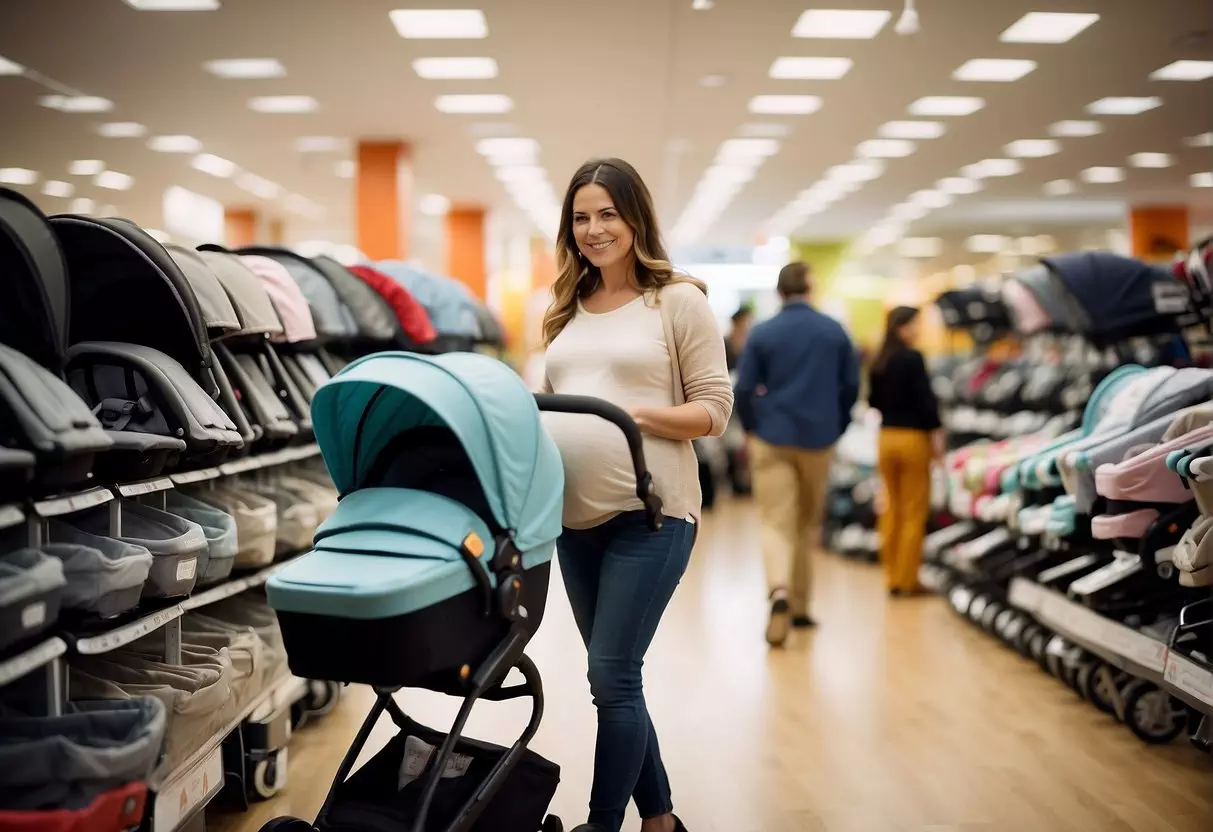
897 318
577 278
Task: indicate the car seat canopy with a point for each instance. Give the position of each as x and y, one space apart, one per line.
34 294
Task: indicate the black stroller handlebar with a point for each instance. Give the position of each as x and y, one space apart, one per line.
591 406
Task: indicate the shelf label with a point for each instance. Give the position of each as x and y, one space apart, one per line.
218 593
29 661
1189 677
74 502
200 475
138 489
122 636
242 466
179 800
10 515
1024 594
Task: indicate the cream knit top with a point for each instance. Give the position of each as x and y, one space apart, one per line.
659 350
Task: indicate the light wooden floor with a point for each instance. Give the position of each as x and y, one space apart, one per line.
892 715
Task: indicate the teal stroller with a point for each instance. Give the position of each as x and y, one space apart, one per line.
433 572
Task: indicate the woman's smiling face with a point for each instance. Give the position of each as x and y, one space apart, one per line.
603 237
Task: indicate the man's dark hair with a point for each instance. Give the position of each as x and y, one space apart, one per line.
741 314
793 280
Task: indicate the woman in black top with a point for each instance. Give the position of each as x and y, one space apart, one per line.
910 436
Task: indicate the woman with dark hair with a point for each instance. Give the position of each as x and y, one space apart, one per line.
625 327
910 436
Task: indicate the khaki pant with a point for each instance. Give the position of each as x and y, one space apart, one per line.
905 471
790 487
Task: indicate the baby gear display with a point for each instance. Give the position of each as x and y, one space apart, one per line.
1075 537
432 572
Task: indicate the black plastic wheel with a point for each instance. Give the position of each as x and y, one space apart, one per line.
287 824
1023 641
1038 647
552 824
321 697
1152 714
990 614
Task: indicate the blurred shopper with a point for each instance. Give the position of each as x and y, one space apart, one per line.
739 331
625 327
737 465
910 436
797 382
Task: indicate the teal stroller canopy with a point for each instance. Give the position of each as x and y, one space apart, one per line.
479 399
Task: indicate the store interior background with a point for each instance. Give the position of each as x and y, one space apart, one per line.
115 108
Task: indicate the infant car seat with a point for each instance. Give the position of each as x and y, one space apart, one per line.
105 577
31 591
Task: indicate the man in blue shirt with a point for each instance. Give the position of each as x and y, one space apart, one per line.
797 382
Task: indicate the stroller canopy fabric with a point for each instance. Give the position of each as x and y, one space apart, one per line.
1116 293
329 313
409 312
482 401
33 286
375 318
286 304
451 309
217 311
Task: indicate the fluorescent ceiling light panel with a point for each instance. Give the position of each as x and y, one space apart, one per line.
7 67
468 104
512 150
1151 160
122 130
440 23
908 212
863 171
946 105
785 105
458 69
80 205
760 130
912 130
740 150
1184 71
174 144
1059 187
18 176
1201 180
921 247
1203 140
988 168
1102 175
345 169
848 24
86 167
1123 106
994 69
986 243
885 148
931 199
959 185
713 81
1075 129
520 173
1033 148
434 205
1048 27
76 103
113 180
320 144
63 190
174 5
214 165
810 69
245 68
279 104
257 186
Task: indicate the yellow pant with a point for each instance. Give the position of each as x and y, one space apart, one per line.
790 489
905 470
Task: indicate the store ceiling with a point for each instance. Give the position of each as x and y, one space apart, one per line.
653 81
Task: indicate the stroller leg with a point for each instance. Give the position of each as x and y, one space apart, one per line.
383 700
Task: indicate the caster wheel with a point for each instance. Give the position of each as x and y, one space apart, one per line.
977 607
1023 640
286 824
1153 715
268 777
321 697
1097 684
552 824
1055 664
1007 624
990 614
1069 674
1037 647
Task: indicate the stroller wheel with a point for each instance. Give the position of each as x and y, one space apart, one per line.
321 697
287 824
267 779
1153 715
1038 645
552 824
1002 623
1097 683
990 615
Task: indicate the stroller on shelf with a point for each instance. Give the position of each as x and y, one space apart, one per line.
432 572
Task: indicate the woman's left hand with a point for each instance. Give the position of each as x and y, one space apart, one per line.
642 416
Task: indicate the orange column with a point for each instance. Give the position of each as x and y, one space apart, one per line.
1157 232
384 186
277 232
240 227
465 259
543 264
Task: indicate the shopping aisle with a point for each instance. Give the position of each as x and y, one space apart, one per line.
891 716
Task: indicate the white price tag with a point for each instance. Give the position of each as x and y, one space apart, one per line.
187 568
10 515
195 476
138 489
75 502
417 754
33 615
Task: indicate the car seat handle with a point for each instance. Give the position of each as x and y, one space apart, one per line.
592 406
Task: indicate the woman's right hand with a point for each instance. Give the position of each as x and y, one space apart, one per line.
939 443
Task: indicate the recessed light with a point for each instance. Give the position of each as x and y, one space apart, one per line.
1059 187
885 148
761 130
520 173
851 24
1102 175
434 205
1184 71
174 144
278 104
920 247
959 185
912 130
993 69
908 212
76 103
990 168
1123 106
512 150
946 105
1201 180
86 167
1076 129
246 68
320 144
986 243
466 104
113 180
1151 160
1033 148
173 5
931 199
462 69
785 104
1048 27
121 130
81 205
18 176
746 150
810 69
702 5
346 169
439 23
214 165
257 186
7 67
863 171
56 188
713 81
1203 140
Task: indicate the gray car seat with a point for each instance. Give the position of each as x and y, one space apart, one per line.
178 546
220 530
31 591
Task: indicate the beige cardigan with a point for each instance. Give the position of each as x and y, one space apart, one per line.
700 374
